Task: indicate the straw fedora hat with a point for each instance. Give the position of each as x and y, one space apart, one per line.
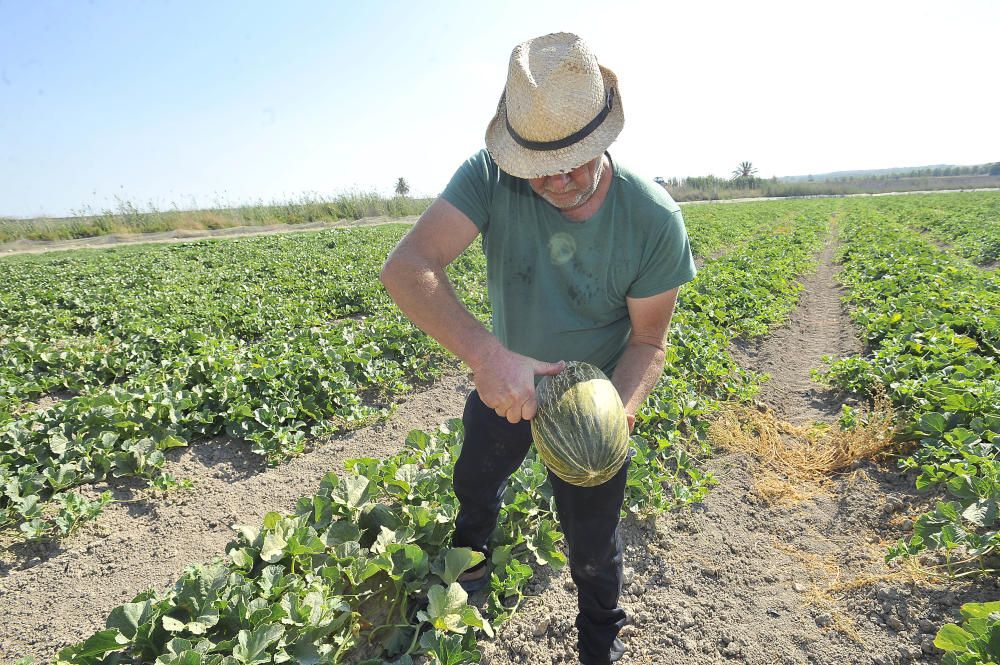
560 108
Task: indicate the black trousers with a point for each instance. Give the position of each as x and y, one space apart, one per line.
492 450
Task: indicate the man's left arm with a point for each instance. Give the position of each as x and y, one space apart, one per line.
641 364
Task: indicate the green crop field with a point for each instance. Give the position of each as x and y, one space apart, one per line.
111 358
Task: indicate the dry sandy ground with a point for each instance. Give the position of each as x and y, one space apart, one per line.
731 580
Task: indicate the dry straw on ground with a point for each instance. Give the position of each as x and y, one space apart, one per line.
798 462
795 461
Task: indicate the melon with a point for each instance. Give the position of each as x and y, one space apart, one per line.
580 429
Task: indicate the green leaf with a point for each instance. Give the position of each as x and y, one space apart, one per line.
178 645
307 653
376 517
445 606
253 645
271 520
543 544
35 529
98 644
347 550
963 487
992 637
387 538
273 549
457 561
187 658
129 617
501 555
980 610
356 491
304 541
57 444
982 513
248 533
472 617
932 423
242 558
418 440
407 563
444 649
947 510
409 474
341 531
172 625
172 441
207 618
30 506
952 638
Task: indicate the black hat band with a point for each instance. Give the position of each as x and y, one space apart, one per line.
575 137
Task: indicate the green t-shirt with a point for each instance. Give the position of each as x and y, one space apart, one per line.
557 287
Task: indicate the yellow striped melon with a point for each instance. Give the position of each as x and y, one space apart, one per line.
580 429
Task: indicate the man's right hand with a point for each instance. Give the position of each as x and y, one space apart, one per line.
506 383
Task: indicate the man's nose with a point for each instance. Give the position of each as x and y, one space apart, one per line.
559 180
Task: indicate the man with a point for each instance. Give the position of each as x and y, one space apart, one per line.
584 260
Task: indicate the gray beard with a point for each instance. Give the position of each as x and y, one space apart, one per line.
583 196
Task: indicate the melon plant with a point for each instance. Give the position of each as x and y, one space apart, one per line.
580 429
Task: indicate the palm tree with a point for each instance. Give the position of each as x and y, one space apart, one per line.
745 174
745 170
402 188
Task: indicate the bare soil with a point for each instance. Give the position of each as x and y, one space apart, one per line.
732 580
819 327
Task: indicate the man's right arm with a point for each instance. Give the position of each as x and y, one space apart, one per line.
414 275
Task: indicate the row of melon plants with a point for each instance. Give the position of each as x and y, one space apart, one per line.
968 222
715 229
932 323
362 571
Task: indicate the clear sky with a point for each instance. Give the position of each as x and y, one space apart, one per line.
206 103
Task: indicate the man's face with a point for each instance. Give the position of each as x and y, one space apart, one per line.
567 191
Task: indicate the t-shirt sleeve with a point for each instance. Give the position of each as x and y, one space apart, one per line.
667 261
470 189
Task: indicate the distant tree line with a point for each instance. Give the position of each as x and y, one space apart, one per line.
981 169
745 183
940 172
